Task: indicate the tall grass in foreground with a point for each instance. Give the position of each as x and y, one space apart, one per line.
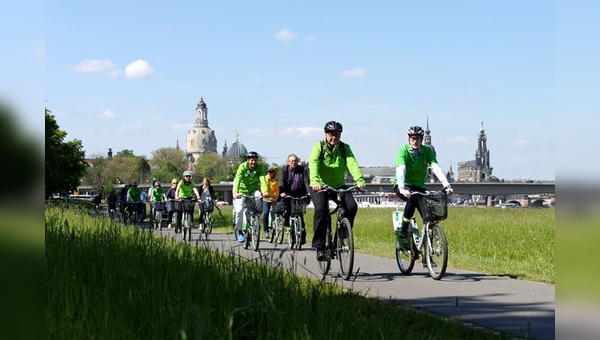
108 281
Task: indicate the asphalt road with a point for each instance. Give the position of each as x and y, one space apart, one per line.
521 308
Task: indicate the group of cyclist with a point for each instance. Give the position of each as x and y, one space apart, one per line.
329 161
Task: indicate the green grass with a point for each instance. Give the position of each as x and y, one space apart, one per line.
108 281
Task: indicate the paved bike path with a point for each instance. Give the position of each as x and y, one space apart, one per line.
521 308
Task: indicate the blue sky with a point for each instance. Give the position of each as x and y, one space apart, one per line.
128 75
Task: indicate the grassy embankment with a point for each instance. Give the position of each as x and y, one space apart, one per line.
108 281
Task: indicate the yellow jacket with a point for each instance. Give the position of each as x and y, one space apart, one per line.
272 188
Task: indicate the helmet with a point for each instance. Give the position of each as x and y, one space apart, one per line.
187 173
273 169
333 126
415 130
252 154
157 184
134 184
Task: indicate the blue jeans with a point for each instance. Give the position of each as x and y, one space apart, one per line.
267 211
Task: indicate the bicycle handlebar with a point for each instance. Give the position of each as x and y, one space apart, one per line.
351 188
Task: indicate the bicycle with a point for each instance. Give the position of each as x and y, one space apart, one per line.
297 210
157 219
277 226
133 211
253 205
177 207
207 205
430 241
187 207
341 245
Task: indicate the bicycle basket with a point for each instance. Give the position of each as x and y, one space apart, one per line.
208 205
254 204
437 207
279 208
298 207
159 205
188 205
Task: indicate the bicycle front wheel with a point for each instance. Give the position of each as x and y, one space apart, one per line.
208 223
298 233
255 233
345 247
436 251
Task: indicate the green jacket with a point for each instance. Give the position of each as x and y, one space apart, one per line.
246 181
416 167
331 170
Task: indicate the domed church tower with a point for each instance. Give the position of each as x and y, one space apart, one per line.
201 138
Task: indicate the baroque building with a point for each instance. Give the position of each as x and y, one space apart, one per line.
201 137
479 169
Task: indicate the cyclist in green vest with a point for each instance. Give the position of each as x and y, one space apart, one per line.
412 162
186 189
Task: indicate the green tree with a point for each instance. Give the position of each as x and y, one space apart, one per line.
212 165
167 163
65 160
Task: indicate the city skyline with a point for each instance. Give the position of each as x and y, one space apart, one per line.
277 72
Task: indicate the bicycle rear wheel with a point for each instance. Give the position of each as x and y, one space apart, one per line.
404 257
436 251
255 229
345 247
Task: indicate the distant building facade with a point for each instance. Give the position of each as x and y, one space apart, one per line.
479 169
201 137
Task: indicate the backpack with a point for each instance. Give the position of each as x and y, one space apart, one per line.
342 150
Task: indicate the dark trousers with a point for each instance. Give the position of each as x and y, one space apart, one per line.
415 202
321 202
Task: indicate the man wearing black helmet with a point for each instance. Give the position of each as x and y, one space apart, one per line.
249 180
328 164
412 162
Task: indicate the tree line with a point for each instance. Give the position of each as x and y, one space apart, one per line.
67 168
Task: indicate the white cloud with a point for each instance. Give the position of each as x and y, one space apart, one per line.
457 140
519 160
133 127
303 131
520 144
286 35
107 115
138 69
254 132
256 80
357 72
179 127
104 67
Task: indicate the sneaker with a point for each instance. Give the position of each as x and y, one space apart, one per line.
321 256
169 226
240 238
403 233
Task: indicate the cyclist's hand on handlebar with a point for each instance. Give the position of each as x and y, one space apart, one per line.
448 190
361 186
265 195
405 192
237 195
317 187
